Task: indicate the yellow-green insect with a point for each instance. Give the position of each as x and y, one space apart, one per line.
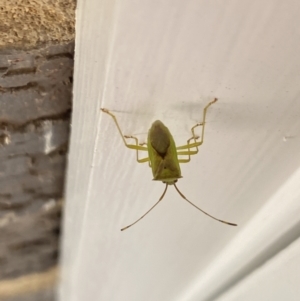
163 155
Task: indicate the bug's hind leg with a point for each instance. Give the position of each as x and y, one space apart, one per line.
188 152
143 160
187 148
144 143
203 122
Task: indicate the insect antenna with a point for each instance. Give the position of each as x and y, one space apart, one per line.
162 196
219 220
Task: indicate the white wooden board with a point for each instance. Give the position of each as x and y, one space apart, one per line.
276 280
149 60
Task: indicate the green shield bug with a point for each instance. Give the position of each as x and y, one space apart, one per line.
163 156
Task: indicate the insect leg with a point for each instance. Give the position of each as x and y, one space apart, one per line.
188 152
149 162
196 143
137 147
143 160
204 121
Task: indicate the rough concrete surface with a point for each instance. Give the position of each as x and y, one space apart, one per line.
35 107
27 23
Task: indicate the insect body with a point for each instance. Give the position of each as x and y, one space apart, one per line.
163 155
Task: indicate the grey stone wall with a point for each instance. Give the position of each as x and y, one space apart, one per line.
35 107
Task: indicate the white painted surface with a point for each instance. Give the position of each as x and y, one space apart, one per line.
270 230
149 60
276 280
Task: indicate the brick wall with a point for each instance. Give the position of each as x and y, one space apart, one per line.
35 107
